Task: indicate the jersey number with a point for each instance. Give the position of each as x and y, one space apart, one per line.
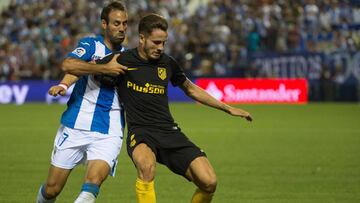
62 139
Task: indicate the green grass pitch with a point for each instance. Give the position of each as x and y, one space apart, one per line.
289 153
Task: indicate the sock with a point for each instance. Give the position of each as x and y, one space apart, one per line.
41 197
88 193
201 197
145 192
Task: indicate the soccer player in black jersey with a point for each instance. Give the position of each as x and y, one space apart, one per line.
153 136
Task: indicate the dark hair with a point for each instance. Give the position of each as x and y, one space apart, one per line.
152 21
113 5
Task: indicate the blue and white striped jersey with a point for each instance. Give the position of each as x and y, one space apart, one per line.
91 106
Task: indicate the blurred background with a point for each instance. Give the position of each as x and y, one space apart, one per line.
317 40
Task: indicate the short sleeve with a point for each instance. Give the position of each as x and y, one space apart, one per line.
178 76
84 50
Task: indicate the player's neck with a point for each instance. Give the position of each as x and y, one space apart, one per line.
111 46
142 54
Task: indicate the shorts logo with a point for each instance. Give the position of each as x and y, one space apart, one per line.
79 51
162 73
132 140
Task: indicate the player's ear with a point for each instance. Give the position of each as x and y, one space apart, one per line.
142 38
103 24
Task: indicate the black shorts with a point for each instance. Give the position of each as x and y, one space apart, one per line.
171 147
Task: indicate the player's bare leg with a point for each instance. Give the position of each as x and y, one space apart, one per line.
97 172
145 161
54 184
203 175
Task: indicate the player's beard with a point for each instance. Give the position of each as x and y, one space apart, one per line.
150 53
116 40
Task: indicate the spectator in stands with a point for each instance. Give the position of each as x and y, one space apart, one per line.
41 32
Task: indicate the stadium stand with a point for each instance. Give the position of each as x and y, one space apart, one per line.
233 38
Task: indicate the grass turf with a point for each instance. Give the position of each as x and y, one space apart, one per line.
290 153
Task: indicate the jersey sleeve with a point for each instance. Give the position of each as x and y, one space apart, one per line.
178 76
84 50
105 59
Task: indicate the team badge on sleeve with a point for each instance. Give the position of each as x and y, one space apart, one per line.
79 51
162 73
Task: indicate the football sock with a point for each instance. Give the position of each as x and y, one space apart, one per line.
201 197
145 192
41 197
88 193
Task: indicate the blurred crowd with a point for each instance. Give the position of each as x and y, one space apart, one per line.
207 37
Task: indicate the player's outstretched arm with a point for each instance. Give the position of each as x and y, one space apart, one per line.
78 67
200 95
61 88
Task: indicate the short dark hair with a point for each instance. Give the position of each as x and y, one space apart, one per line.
113 5
152 21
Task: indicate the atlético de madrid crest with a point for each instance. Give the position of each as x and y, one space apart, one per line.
162 73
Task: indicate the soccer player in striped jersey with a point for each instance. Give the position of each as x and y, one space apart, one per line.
92 125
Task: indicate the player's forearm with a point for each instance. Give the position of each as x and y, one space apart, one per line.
78 67
69 79
203 97
200 95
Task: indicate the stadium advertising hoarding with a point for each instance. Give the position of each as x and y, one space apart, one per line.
307 65
28 91
37 91
333 76
231 90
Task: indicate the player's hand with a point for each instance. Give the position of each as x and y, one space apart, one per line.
239 112
56 90
114 68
